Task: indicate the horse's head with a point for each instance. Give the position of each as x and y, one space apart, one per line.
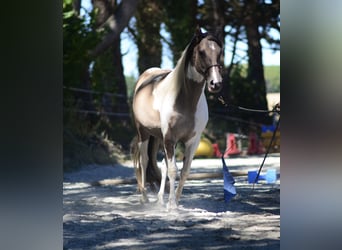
205 59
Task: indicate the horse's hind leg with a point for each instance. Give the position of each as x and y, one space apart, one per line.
143 147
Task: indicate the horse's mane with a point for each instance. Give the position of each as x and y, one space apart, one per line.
177 75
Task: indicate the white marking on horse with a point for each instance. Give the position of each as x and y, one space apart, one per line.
215 74
201 114
194 75
212 45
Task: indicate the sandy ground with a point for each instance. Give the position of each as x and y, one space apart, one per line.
112 217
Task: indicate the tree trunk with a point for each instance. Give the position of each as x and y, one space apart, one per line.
255 73
149 17
121 104
104 10
116 24
77 6
111 76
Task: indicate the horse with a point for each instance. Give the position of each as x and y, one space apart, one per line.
170 106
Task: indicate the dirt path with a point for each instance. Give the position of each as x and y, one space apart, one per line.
111 217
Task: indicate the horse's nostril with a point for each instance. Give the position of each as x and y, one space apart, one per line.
215 85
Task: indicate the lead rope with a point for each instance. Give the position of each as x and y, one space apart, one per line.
276 109
267 151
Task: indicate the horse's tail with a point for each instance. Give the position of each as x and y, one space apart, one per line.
153 175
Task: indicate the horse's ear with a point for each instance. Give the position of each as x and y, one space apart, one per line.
198 35
198 32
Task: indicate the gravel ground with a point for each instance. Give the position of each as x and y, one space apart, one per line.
112 217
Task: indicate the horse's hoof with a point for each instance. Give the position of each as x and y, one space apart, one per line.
160 201
144 199
172 206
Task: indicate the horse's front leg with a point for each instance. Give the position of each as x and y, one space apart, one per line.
162 184
171 172
190 148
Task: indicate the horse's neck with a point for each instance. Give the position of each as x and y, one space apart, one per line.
184 78
190 93
183 85
189 89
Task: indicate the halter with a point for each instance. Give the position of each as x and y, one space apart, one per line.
211 66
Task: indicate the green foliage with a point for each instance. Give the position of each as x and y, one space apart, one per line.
241 89
245 93
78 38
272 75
102 75
85 137
130 81
180 20
148 17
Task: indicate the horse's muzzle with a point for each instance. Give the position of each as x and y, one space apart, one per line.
214 79
214 87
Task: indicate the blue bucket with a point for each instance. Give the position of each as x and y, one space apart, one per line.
251 176
271 176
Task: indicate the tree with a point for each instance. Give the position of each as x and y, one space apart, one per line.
147 34
92 61
255 73
116 22
258 15
180 20
107 72
78 38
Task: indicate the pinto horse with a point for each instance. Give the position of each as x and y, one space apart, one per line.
170 106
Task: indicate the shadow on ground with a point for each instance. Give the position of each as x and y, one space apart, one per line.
111 217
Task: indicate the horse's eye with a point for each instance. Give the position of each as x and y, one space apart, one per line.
201 53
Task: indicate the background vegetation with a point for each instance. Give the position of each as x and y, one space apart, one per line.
98 126
272 76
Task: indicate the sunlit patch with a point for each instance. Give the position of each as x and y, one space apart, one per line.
166 238
70 217
75 185
75 188
124 243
